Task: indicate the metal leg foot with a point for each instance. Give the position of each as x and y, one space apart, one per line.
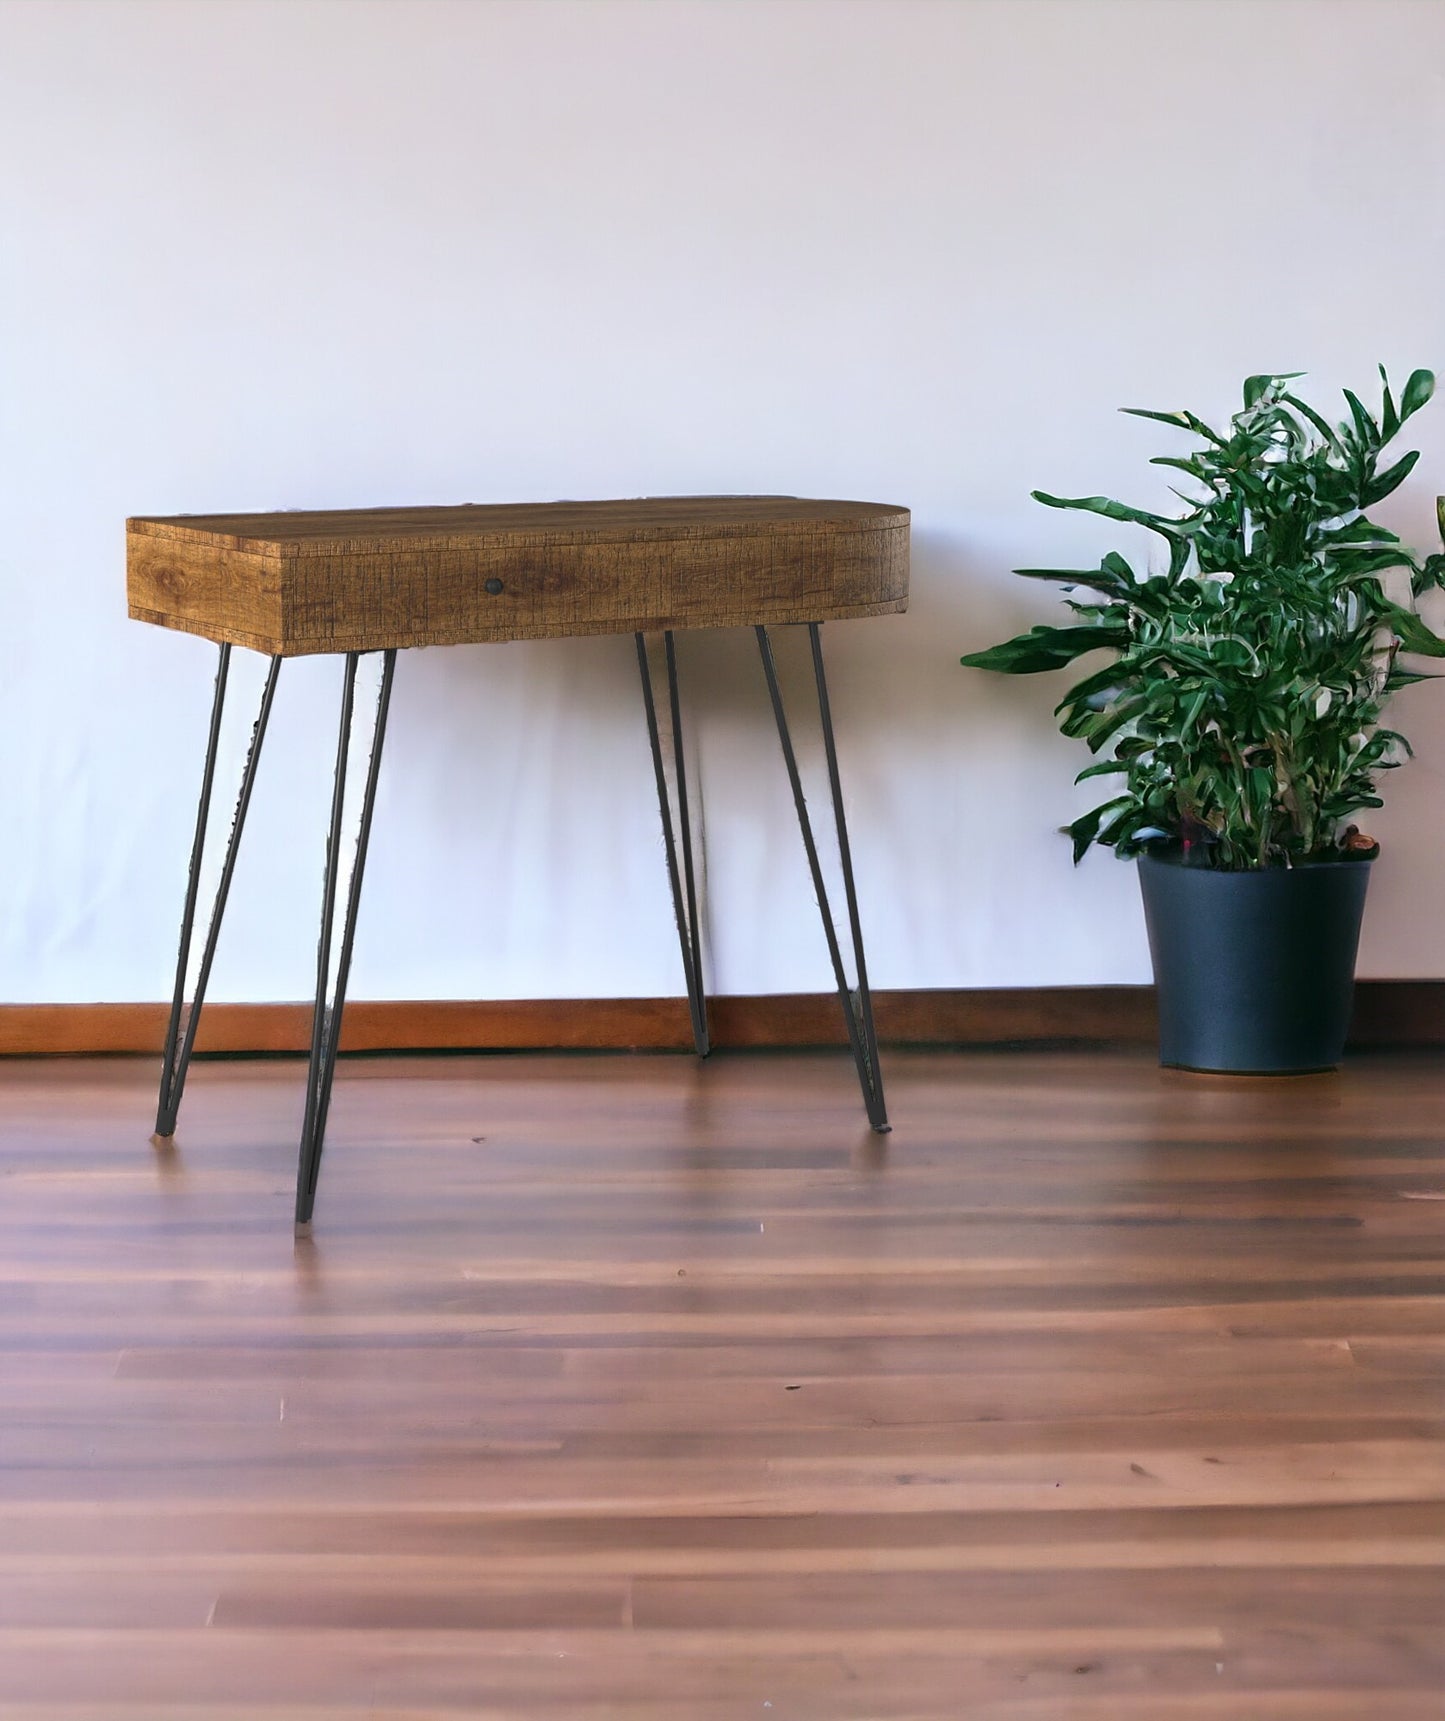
331 987
684 886
857 1005
185 1016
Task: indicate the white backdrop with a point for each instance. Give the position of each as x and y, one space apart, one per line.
284 255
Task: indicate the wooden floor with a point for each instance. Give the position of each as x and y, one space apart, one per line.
620 1387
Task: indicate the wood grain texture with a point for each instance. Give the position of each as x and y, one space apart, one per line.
614 1388
1388 1013
308 582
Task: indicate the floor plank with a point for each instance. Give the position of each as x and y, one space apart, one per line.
620 1387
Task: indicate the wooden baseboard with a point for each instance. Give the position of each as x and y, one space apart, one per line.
1387 1013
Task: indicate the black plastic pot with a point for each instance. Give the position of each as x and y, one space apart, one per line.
1254 972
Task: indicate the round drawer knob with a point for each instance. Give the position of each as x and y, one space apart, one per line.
493 586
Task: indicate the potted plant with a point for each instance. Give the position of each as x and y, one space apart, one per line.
1241 709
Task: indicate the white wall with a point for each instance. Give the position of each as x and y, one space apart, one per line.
282 255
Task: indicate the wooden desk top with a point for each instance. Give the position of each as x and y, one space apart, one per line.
332 581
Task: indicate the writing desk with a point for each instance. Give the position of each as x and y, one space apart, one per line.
385 579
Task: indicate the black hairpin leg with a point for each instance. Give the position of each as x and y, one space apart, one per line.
684 886
857 1006
185 1018
326 1021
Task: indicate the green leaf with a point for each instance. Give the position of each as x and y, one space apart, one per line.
1045 648
1365 426
1255 386
1083 830
1418 389
1180 420
1191 466
1195 707
1361 531
1429 574
1097 579
1110 721
1356 563
1385 738
1391 479
1112 510
1398 678
1180 550
1105 680
1389 418
1411 632
1321 424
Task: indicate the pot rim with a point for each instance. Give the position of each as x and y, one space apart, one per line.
1172 857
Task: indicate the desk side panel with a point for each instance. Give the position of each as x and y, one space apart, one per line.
226 595
420 596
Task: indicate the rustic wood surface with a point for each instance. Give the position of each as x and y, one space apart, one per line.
308 582
1388 1013
616 1389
